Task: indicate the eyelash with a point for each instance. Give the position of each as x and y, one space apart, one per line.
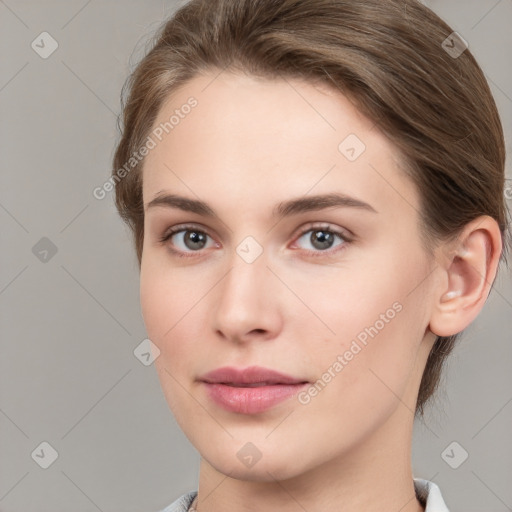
321 227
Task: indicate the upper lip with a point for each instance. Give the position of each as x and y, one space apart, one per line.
249 375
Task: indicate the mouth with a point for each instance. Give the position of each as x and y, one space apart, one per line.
251 390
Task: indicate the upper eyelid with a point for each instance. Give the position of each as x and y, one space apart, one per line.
178 228
343 232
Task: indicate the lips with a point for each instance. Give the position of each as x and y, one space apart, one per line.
251 390
253 376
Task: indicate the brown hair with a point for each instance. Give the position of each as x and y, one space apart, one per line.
386 56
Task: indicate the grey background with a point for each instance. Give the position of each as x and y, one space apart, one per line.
69 326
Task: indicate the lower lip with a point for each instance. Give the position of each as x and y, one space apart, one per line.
251 400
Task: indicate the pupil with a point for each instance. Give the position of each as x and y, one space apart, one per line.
195 238
321 239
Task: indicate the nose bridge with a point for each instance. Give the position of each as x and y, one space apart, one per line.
246 281
245 302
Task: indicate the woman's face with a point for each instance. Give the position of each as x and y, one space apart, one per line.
268 276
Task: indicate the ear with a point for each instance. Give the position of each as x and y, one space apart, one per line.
468 271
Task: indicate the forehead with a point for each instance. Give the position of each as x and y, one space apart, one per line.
269 138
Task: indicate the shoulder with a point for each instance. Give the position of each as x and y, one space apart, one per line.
430 495
181 504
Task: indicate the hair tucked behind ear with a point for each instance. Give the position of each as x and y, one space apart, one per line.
386 56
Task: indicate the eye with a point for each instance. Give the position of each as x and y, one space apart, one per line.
321 239
187 239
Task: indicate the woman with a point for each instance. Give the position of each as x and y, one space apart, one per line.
317 214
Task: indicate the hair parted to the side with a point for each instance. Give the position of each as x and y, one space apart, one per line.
386 56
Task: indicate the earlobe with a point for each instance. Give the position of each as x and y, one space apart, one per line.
468 276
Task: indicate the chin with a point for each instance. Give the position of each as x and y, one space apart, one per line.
258 462
260 472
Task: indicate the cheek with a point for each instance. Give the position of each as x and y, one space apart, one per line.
171 307
169 320
152 303
376 318
161 306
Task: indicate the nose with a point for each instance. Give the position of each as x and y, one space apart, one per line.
247 302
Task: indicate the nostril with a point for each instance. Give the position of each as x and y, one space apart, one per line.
258 330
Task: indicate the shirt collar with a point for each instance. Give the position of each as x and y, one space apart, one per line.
429 493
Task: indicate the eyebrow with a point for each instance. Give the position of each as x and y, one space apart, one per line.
283 209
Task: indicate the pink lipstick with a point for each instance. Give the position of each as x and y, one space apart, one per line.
250 390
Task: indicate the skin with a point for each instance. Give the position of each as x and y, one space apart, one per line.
248 145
